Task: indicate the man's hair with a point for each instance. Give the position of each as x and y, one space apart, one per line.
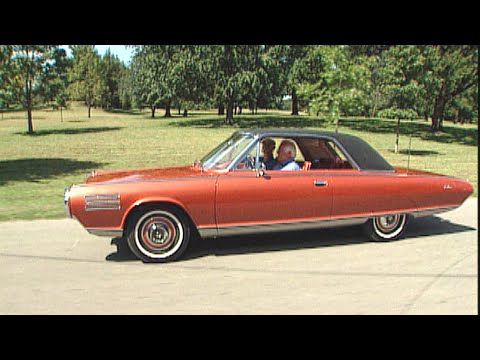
270 143
289 147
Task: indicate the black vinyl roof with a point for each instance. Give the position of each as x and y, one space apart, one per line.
366 157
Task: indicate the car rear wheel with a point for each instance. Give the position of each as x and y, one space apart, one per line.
158 234
386 228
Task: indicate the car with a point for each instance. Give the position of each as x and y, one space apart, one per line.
340 181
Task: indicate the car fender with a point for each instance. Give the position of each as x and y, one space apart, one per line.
153 200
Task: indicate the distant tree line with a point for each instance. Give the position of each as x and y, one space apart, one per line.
435 82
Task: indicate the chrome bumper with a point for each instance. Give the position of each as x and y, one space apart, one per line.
66 201
106 232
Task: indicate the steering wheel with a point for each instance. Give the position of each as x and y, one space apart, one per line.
249 162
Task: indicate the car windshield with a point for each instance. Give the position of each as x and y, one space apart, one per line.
223 155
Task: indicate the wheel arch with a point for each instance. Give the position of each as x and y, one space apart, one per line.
143 204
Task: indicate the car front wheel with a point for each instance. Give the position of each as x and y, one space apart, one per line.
158 234
386 228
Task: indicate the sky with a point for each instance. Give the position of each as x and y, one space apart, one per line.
123 54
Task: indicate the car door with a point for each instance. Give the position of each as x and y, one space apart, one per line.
276 200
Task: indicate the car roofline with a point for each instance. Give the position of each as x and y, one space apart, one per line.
367 159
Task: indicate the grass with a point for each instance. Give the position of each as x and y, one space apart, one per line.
34 169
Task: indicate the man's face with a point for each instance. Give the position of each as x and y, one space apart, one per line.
282 154
267 147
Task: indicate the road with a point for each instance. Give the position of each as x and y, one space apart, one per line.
56 267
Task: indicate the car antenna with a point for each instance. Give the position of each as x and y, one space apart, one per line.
409 149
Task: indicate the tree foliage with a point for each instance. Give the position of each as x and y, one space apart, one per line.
330 81
27 70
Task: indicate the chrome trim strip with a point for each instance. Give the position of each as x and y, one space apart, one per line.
102 202
279 227
105 232
428 212
209 232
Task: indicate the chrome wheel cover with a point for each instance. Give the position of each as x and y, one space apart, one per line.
389 226
158 234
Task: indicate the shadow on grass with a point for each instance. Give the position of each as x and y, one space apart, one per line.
245 122
71 131
135 112
465 136
37 169
451 134
414 152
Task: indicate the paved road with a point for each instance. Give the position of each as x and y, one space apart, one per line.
56 267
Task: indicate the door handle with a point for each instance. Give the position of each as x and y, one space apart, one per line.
320 182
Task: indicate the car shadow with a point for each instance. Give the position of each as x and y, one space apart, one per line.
297 240
434 225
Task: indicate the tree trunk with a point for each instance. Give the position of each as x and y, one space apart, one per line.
29 106
398 136
294 102
437 117
229 117
89 110
168 112
221 109
438 110
152 109
29 120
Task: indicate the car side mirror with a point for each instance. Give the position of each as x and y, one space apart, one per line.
261 170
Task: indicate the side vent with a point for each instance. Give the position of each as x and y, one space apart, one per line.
102 202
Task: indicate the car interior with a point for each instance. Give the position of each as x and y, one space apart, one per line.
316 153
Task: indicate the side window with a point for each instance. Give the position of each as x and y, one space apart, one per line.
299 157
341 161
324 154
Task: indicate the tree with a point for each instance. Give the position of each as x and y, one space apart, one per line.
403 66
56 87
29 69
112 70
233 69
190 77
341 84
449 72
85 75
152 72
299 65
6 52
236 68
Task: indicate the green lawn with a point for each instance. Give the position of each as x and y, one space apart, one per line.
34 170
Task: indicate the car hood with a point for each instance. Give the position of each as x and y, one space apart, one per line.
135 175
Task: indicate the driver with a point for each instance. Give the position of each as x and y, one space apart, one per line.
268 145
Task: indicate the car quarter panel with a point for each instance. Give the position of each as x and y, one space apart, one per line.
357 193
367 193
194 195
